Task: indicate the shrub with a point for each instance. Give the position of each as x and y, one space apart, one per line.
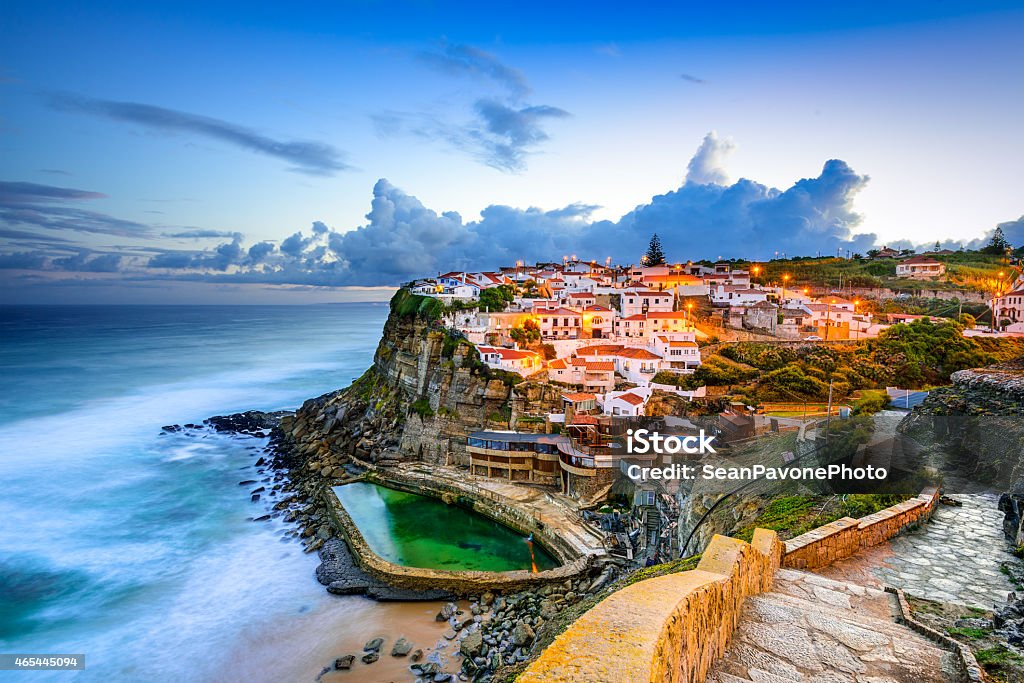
422 408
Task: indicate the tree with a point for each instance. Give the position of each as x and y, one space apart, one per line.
528 334
496 298
938 246
998 244
654 256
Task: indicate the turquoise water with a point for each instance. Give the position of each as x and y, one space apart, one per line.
420 531
134 548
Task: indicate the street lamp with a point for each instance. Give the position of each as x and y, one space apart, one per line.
785 279
856 330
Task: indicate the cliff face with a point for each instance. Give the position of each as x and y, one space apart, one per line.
425 391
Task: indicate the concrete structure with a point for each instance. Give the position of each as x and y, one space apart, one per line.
515 456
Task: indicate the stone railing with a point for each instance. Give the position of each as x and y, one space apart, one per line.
845 537
669 628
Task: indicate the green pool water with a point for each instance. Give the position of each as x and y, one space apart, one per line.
420 531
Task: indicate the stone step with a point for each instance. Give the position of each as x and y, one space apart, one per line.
816 630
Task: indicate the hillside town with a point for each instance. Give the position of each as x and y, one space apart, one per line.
596 326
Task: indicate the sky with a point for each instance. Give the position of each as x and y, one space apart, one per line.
248 153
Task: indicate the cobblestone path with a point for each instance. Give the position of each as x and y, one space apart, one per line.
954 558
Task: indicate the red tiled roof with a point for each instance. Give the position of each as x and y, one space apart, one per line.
632 399
582 295
584 420
579 397
598 350
917 260
639 354
600 366
558 364
666 315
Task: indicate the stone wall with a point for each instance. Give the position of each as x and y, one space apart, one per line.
669 628
456 582
845 537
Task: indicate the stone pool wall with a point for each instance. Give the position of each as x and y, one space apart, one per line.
456 582
845 537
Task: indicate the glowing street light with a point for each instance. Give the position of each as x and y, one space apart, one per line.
785 279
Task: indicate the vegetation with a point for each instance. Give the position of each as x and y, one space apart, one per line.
422 408
496 298
527 334
654 256
791 516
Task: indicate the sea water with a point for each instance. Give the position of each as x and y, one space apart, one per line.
136 548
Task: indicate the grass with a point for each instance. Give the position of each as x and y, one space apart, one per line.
791 516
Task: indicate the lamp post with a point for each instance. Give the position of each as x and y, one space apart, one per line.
785 279
828 315
856 330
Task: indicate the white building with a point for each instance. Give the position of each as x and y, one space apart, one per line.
638 301
513 360
920 268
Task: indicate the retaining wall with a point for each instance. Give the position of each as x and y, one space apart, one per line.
845 537
456 582
669 628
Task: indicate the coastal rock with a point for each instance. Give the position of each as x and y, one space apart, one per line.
370 657
522 634
401 648
471 644
344 663
373 645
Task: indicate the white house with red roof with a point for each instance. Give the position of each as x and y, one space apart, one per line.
598 322
592 375
625 403
920 268
678 353
1010 307
579 299
638 301
736 295
560 323
513 360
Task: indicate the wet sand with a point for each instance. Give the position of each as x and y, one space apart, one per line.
298 647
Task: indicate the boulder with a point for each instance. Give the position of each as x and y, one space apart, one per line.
523 635
344 663
373 645
401 648
370 657
471 644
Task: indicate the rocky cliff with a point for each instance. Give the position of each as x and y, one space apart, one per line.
425 392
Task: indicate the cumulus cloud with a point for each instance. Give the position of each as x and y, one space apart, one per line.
307 156
43 206
707 167
85 262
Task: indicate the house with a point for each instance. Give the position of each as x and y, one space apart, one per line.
579 402
736 295
580 299
633 326
560 323
679 353
639 301
512 360
625 403
1009 310
668 321
638 365
886 252
598 322
592 375
920 268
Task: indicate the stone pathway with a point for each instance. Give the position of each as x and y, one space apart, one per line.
954 558
813 629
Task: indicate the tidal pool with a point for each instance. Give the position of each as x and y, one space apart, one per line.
419 531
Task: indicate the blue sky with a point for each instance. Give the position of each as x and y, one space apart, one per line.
195 152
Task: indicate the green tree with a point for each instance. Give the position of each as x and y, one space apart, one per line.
998 244
526 335
496 298
654 256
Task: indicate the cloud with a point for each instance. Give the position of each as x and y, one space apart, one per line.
40 206
503 129
84 262
509 134
461 60
309 157
23 260
707 167
199 233
692 79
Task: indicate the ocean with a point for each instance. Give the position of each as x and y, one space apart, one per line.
137 549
